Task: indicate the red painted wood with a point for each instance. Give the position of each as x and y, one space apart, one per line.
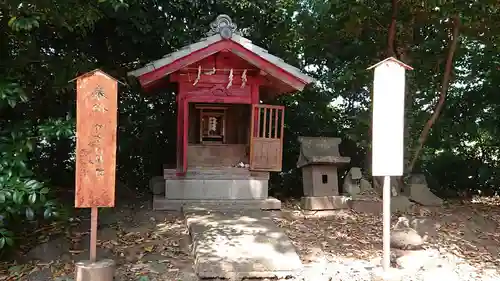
214 88
224 60
236 48
185 135
255 101
214 99
255 93
265 65
219 90
182 62
180 135
190 77
96 123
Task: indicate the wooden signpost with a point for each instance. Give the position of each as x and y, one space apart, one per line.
388 134
96 122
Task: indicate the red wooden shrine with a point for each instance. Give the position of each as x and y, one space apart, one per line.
222 81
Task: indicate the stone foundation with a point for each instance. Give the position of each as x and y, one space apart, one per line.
161 203
220 184
223 187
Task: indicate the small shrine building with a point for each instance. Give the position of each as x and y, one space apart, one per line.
227 139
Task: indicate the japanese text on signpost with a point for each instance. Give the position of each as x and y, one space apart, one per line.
96 121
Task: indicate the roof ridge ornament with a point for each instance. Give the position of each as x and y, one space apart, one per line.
224 26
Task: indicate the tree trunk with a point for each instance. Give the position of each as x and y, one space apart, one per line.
442 95
391 34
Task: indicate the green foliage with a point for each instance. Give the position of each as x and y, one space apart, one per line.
10 94
24 23
21 196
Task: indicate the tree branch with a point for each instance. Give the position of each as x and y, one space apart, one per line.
442 96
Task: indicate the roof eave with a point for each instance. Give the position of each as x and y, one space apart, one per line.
240 40
169 58
263 53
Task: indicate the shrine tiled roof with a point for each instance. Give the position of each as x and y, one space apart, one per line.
224 30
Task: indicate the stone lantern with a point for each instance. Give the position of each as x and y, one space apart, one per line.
319 159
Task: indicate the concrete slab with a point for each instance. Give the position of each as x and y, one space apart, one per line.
239 244
160 203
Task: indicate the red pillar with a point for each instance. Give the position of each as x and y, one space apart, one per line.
255 100
180 128
185 124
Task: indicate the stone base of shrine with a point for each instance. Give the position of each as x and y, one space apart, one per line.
161 203
319 203
218 188
216 184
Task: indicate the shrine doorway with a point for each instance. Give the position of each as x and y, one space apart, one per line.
218 135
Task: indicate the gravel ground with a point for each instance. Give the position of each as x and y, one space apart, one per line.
438 266
340 245
463 244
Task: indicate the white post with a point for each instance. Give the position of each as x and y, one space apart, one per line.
388 135
386 263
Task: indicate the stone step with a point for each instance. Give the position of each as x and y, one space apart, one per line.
240 245
163 204
211 173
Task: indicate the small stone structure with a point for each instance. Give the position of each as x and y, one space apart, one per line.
319 159
418 191
365 199
352 181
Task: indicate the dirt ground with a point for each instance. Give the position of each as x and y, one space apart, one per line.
149 245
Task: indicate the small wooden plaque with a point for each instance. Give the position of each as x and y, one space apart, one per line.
96 122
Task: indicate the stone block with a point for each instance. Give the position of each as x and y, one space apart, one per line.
164 204
352 183
240 244
320 150
355 173
324 203
418 179
401 204
157 185
366 186
103 270
320 180
366 206
243 189
421 194
375 205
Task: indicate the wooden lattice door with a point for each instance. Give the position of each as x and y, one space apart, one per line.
266 142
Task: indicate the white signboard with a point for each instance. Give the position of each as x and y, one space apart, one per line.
388 118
